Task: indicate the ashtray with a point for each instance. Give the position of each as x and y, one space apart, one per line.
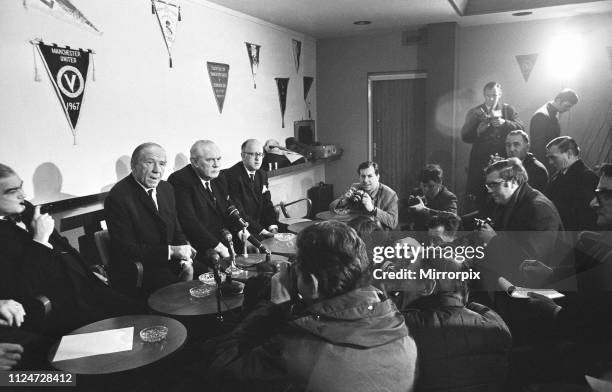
209 278
342 211
200 291
154 334
284 236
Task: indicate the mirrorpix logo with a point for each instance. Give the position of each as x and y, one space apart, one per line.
70 81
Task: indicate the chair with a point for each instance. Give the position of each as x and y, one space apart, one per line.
298 205
103 244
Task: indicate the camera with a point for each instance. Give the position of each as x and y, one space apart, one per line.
479 223
357 196
413 200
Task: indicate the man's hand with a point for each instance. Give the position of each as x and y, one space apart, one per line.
497 121
222 250
266 233
418 207
10 355
273 229
186 273
181 252
486 233
281 284
42 226
543 305
482 127
348 193
11 313
367 202
535 271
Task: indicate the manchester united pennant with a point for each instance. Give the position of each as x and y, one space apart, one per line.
168 16
253 52
67 68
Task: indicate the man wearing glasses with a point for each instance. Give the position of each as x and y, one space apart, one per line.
249 188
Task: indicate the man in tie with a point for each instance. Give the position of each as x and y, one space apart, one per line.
202 199
143 225
249 188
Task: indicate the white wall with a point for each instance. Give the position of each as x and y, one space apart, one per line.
136 97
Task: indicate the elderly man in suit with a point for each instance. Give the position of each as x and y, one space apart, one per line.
249 188
143 224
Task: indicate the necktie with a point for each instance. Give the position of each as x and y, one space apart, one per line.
150 192
252 177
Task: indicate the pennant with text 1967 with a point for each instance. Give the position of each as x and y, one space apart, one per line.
168 16
253 52
218 74
526 63
282 84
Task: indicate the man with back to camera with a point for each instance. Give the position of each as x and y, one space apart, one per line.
545 126
142 222
249 188
370 196
486 127
517 146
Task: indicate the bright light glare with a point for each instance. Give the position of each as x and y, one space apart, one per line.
565 55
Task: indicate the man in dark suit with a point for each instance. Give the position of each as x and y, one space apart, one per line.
143 225
202 199
36 261
517 146
572 187
249 188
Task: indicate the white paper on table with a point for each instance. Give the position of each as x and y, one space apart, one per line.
94 343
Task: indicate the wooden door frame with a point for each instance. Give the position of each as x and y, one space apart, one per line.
378 76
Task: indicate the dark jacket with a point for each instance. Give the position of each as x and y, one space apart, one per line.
355 342
572 193
443 204
461 348
543 128
139 232
538 175
253 198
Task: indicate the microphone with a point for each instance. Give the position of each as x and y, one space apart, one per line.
214 259
258 244
233 212
228 238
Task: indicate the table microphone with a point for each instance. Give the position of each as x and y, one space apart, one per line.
214 259
233 212
227 236
229 287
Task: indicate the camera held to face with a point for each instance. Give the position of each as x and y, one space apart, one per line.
479 223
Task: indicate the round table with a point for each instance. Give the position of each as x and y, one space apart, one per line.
285 248
253 259
290 221
328 215
298 227
140 355
175 300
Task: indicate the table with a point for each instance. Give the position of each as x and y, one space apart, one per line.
175 300
291 221
298 227
285 248
142 353
255 258
328 215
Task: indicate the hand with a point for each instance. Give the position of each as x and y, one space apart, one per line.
244 235
280 284
42 226
10 355
273 229
222 250
535 271
367 202
186 273
418 207
11 313
482 127
181 252
543 305
498 121
349 193
486 233
266 233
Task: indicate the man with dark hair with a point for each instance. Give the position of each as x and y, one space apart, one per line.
249 188
443 229
486 127
572 187
143 225
370 196
545 125
517 146
343 335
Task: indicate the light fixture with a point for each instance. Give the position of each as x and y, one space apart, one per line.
362 22
522 13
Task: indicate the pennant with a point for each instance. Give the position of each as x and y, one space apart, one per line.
168 16
63 10
610 56
526 63
282 84
253 52
307 84
67 68
218 74
297 52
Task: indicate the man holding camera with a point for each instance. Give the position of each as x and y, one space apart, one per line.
369 196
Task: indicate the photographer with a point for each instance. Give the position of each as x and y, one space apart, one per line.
325 329
370 197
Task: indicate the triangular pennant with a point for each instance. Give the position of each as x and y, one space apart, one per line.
63 10
218 74
253 52
526 63
282 84
168 16
67 68
297 52
307 84
610 56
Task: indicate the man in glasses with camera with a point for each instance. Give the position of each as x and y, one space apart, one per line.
370 197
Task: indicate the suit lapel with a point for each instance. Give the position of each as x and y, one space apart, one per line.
145 200
251 186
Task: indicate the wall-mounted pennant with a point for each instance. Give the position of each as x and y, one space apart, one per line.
63 10
526 63
307 84
168 16
218 74
282 84
253 52
296 47
67 68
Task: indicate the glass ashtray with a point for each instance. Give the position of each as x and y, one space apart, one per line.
284 236
209 278
200 291
154 334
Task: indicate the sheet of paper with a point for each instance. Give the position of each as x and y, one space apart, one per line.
94 343
521 292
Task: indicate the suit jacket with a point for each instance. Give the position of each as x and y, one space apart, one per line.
139 232
543 128
385 201
202 216
572 193
536 171
251 197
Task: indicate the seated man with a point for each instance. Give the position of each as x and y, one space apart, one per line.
432 198
517 146
143 225
462 345
344 336
249 188
370 197
442 229
35 260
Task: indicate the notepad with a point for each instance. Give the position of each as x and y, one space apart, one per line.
94 343
522 292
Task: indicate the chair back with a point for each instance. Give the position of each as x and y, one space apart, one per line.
102 240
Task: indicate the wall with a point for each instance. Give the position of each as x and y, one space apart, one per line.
136 97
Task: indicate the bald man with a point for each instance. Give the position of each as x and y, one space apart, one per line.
249 188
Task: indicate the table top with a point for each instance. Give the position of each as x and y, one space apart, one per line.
286 248
176 300
142 353
253 259
298 227
328 215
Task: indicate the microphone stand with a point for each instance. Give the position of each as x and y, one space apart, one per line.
219 316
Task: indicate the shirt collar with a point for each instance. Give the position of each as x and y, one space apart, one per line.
144 187
248 171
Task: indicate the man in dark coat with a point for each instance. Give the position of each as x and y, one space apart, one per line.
143 225
517 146
572 187
486 127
